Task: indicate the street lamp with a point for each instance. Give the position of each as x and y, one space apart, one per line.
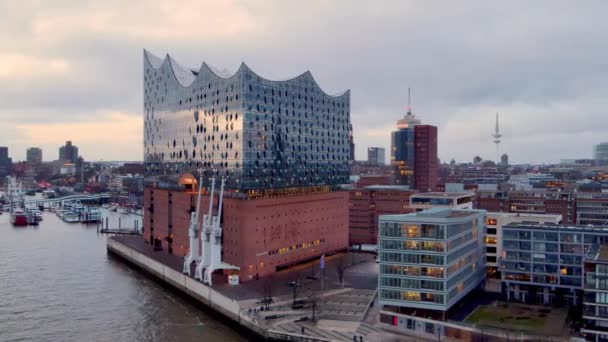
294 285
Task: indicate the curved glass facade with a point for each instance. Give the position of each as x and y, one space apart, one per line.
261 134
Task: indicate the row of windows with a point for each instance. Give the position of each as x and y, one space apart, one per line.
459 228
408 283
472 247
543 268
543 247
456 267
408 258
411 245
514 234
563 259
435 272
411 296
460 240
296 247
412 231
473 279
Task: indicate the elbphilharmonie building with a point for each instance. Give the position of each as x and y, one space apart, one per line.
258 133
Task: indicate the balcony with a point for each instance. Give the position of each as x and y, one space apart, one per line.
596 282
591 312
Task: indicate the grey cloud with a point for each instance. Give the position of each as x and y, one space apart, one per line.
545 61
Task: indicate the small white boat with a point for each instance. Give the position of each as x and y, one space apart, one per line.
70 218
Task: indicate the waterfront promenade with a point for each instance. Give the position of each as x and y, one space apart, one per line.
341 310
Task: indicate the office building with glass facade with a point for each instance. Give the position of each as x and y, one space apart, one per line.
375 155
431 259
402 150
542 263
600 154
260 134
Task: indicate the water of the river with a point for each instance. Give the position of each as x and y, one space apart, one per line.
57 283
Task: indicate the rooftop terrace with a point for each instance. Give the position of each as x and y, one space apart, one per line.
445 194
434 214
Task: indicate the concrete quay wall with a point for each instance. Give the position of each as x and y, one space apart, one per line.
195 289
202 293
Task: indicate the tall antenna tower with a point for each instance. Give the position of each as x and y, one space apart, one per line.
409 102
497 137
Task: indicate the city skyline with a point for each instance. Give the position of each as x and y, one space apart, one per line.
464 62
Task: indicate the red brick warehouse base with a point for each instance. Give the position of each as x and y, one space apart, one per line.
260 235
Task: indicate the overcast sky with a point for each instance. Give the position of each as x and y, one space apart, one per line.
72 70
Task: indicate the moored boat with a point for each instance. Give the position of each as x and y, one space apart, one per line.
18 217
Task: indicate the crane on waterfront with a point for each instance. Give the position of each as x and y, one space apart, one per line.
194 231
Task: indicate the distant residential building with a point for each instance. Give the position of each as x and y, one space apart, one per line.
368 203
34 155
68 153
504 159
592 208
454 187
6 163
67 169
451 200
545 201
375 179
526 181
426 164
542 263
430 260
472 175
133 184
600 154
375 155
131 168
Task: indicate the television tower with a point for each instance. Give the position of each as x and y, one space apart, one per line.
497 137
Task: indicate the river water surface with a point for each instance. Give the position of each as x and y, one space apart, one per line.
57 283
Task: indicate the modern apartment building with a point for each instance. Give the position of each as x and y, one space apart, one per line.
543 262
494 230
429 260
595 301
